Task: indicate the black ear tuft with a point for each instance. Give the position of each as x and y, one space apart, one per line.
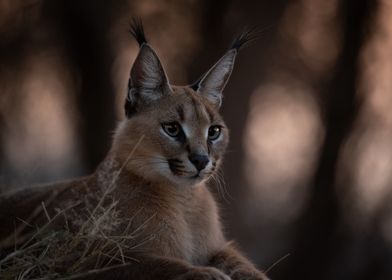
247 35
137 31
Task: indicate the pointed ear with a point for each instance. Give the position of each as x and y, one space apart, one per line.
215 80
148 81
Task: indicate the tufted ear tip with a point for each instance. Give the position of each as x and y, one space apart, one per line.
137 31
212 83
247 36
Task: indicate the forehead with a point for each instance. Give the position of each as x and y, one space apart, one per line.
187 106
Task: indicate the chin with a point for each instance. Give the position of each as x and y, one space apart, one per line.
193 181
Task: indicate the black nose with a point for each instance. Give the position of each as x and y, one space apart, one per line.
199 161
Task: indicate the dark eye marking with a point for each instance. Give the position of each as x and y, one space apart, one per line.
180 112
210 115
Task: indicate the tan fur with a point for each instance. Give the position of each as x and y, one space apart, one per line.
179 235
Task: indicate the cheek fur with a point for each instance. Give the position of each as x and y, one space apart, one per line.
170 148
218 148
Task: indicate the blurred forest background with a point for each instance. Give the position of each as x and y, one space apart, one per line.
309 168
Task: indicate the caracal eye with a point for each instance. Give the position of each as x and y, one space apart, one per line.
172 129
214 132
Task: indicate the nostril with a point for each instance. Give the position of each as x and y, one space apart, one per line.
199 161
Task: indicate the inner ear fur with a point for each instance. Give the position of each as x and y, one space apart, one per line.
214 81
148 81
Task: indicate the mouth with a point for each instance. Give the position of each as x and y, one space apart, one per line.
178 169
196 176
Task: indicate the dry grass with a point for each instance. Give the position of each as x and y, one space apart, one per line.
62 252
87 239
